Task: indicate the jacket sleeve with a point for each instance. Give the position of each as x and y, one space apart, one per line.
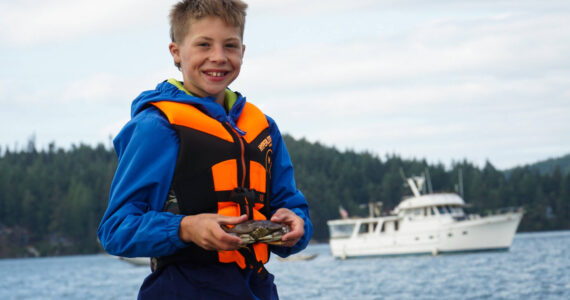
284 192
134 224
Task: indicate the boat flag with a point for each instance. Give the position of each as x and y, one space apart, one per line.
343 212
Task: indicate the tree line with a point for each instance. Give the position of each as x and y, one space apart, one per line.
51 201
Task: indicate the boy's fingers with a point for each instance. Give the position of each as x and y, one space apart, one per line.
281 215
229 242
225 220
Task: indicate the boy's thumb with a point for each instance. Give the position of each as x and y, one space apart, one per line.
232 220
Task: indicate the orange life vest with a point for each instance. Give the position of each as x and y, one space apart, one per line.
220 171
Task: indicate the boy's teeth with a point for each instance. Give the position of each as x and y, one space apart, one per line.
216 74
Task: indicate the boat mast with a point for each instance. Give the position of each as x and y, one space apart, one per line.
428 179
461 183
411 183
413 187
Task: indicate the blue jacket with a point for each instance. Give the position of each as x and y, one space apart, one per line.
147 148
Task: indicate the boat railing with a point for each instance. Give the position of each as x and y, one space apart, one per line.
491 212
502 211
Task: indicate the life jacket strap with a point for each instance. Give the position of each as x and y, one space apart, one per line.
253 263
246 199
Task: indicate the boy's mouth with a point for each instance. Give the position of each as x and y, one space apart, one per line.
216 74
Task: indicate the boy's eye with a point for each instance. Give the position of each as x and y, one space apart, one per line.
203 44
231 45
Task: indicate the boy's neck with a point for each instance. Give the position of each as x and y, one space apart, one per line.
227 101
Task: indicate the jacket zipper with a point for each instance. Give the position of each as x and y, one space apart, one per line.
242 155
242 161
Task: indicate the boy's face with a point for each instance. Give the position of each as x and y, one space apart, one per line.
210 57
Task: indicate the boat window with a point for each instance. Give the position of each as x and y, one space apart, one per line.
417 211
441 210
433 212
341 230
363 228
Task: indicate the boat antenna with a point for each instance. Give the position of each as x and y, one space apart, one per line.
403 175
460 171
428 179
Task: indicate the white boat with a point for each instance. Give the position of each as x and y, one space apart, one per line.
137 261
423 224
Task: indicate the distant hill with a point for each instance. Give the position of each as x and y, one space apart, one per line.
548 166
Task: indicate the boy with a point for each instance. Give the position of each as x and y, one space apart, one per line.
196 156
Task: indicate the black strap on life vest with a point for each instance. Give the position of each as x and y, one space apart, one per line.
246 200
252 262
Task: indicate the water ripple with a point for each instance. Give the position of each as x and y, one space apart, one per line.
536 267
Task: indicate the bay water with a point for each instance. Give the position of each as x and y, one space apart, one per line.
537 266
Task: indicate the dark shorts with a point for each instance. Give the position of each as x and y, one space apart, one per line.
217 281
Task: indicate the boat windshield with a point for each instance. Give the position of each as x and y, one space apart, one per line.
367 227
448 209
341 230
442 210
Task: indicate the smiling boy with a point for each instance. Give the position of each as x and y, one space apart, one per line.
210 56
194 156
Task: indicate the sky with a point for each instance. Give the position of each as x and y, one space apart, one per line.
441 80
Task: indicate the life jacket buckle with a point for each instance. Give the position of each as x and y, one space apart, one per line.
246 199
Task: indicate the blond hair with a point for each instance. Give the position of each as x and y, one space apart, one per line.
231 11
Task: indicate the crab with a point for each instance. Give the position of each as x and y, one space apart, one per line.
254 231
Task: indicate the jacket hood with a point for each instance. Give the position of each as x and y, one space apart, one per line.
173 90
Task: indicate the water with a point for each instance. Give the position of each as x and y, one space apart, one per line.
536 267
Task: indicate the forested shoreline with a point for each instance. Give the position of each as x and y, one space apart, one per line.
51 200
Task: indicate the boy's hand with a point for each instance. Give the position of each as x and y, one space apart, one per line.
204 230
295 223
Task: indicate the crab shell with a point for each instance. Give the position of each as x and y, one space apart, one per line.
254 231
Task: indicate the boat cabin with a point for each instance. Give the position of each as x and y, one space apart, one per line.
431 205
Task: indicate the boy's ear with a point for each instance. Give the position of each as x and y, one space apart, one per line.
175 52
242 50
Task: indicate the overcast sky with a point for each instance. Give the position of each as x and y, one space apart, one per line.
442 80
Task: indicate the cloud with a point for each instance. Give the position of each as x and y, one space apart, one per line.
301 7
100 87
452 49
109 88
31 22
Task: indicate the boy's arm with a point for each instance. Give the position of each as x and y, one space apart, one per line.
284 192
133 224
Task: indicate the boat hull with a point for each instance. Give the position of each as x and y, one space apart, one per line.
485 233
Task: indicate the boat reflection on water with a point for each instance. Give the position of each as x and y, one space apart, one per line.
137 261
423 224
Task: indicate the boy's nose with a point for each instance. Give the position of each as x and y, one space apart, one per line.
218 55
